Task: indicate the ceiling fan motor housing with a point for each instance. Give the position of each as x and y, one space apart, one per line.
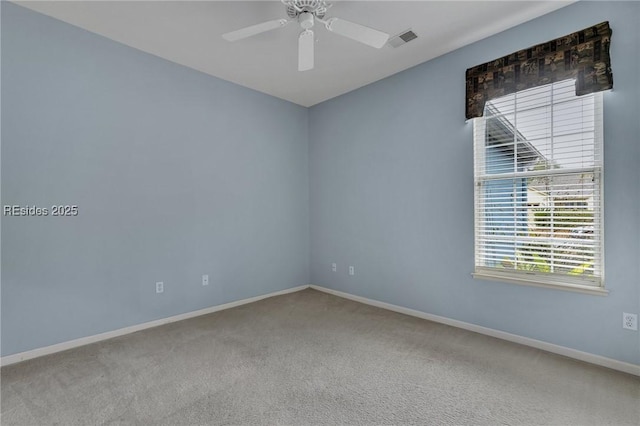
317 8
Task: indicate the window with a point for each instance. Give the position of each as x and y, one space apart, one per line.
538 188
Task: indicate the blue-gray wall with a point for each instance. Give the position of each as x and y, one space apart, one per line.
176 174
391 174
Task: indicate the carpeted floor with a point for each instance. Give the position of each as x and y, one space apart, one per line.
313 358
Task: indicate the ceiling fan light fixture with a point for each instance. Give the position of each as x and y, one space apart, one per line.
306 20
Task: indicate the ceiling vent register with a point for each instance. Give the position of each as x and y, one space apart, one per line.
402 38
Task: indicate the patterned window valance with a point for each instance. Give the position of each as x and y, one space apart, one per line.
583 55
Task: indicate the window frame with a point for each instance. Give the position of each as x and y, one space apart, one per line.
557 281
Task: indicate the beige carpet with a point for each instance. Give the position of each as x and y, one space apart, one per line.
312 358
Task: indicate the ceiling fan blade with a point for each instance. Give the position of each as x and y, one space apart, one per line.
305 50
254 29
357 32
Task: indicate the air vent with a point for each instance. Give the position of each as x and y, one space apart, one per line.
402 38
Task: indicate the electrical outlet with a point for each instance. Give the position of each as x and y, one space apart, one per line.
352 270
205 280
159 287
630 321
334 267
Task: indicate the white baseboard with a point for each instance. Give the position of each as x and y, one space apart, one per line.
58 347
549 347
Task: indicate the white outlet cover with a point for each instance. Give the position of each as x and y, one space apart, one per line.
334 267
205 280
159 287
630 321
352 270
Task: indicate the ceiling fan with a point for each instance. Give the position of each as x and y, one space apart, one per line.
306 12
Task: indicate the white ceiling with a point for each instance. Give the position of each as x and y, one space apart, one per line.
189 33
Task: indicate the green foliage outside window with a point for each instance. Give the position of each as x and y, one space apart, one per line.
565 218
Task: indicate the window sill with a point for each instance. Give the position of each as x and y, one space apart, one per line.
586 289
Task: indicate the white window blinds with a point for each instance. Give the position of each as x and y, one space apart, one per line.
538 187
